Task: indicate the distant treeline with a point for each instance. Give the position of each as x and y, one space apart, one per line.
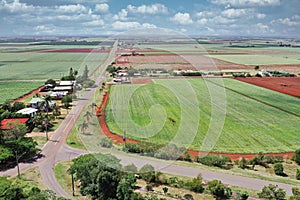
261 45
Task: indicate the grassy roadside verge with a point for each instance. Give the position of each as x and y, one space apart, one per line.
64 179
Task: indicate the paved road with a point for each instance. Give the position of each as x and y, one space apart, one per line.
56 150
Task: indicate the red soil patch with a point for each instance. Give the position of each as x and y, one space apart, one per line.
286 85
141 81
77 50
100 111
31 93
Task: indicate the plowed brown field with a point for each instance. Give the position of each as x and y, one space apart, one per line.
286 85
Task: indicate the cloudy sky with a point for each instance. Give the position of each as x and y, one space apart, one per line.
191 17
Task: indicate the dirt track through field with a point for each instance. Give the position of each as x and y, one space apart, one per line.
100 111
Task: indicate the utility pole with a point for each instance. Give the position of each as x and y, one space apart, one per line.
73 191
124 137
46 128
17 161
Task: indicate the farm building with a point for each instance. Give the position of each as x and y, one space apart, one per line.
8 123
68 89
36 102
28 111
67 83
57 94
65 86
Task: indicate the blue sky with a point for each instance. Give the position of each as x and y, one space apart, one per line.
280 18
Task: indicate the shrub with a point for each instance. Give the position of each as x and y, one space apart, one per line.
298 174
218 161
149 187
296 157
195 185
278 169
259 160
160 178
242 195
218 190
187 157
243 163
188 197
147 173
132 148
296 194
169 152
106 142
130 168
165 189
272 192
175 182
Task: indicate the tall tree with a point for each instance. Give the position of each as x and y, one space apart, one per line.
67 100
15 130
83 127
99 175
85 74
125 187
56 111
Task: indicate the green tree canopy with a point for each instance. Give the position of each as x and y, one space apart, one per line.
99 175
272 192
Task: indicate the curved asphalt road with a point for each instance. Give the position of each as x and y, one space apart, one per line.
56 150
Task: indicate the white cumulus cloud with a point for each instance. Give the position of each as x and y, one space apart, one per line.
148 9
236 13
78 8
182 18
245 3
119 25
103 7
122 15
15 6
292 21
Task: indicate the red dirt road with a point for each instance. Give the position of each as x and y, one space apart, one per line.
100 111
285 85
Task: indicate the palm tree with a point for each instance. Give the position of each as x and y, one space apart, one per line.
88 116
83 127
46 103
92 107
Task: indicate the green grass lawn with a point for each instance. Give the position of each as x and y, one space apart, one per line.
13 90
256 119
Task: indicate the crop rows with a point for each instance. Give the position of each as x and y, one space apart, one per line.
255 119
